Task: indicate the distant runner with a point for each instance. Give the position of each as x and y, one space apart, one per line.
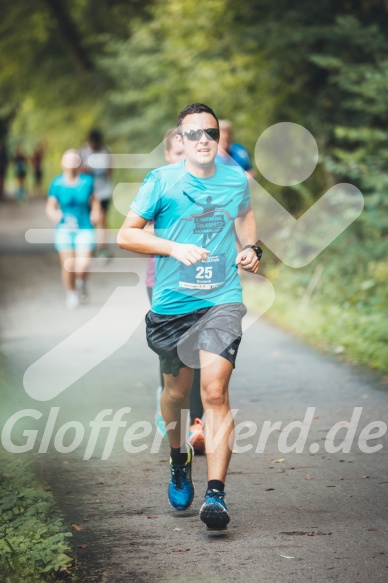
231 153
72 206
103 186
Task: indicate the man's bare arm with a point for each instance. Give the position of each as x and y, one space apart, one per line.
245 225
133 237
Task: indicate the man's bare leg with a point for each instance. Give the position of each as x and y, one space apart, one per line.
215 377
219 426
175 397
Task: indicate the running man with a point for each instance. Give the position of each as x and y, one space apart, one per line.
103 186
36 161
197 309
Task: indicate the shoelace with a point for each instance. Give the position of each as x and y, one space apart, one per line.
178 476
215 494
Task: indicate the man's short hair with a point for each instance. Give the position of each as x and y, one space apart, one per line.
195 108
95 136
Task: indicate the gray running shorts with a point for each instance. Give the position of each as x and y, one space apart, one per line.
177 339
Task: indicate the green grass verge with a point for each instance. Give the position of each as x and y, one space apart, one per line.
326 316
33 537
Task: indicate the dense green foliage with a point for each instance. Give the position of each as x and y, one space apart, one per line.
33 538
51 88
347 307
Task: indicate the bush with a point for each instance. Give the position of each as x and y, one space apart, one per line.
33 537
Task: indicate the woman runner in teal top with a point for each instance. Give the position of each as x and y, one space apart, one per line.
73 208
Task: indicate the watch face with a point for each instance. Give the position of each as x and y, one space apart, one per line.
259 251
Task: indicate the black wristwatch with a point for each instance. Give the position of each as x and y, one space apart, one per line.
258 250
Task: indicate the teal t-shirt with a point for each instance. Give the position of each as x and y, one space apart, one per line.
73 200
201 211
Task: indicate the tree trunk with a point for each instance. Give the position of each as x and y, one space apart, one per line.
69 35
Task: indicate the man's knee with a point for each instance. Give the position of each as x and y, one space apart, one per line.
175 394
214 394
176 390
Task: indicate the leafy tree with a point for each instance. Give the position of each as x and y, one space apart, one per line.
186 52
256 63
360 151
48 60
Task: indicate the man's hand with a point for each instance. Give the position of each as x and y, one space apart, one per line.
188 254
248 260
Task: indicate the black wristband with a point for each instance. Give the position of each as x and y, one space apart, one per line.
258 250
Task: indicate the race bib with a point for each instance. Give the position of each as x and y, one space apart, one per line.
205 274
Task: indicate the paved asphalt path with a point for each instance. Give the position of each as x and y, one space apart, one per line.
296 517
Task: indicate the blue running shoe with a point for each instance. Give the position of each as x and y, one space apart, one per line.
214 512
181 488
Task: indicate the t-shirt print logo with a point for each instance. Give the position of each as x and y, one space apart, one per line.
211 221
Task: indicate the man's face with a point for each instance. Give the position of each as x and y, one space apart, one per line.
95 145
203 151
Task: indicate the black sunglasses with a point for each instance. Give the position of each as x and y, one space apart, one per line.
196 135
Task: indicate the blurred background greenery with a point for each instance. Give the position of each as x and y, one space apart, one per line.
128 66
